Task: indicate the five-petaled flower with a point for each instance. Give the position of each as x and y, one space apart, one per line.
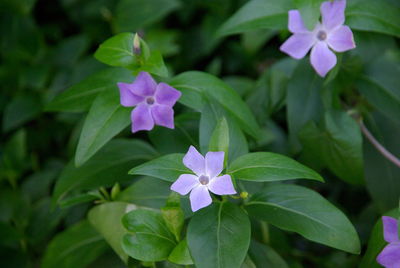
153 102
331 33
206 179
390 255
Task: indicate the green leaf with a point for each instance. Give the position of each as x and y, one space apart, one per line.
373 16
298 209
147 192
219 236
106 118
168 167
258 14
213 87
338 145
76 247
117 51
263 255
154 64
109 165
20 110
150 239
219 141
173 215
264 166
106 219
379 84
381 175
303 100
376 242
180 254
133 15
13 160
210 116
80 96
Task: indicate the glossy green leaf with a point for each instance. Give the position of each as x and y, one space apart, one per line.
263 166
258 14
379 84
133 15
149 239
203 83
298 209
180 254
117 51
106 219
154 64
147 192
373 16
219 140
219 236
210 116
79 97
338 145
167 167
173 215
109 165
303 99
264 255
76 247
106 118
376 242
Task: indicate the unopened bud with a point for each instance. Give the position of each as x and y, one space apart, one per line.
244 195
136 44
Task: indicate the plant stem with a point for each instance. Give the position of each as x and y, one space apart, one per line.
388 155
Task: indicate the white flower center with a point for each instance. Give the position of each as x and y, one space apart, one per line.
321 35
204 180
150 100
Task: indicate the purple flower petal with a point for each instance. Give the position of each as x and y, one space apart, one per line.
199 198
390 229
296 24
214 163
322 58
163 115
185 183
141 118
341 39
127 98
333 13
167 95
298 45
194 161
390 256
144 85
222 185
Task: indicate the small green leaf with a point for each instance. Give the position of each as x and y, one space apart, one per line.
180 254
78 246
219 140
173 215
219 236
258 14
310 11
106 118
154 64
167 167
117 51
80 96
109 165
263 166
150 239
106 219
298 209
262 255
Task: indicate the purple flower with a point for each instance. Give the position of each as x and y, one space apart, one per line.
206 179
153 102
390 255
330 34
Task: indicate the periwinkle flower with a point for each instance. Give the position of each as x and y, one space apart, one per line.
330 34
153 102
206 179
390 255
